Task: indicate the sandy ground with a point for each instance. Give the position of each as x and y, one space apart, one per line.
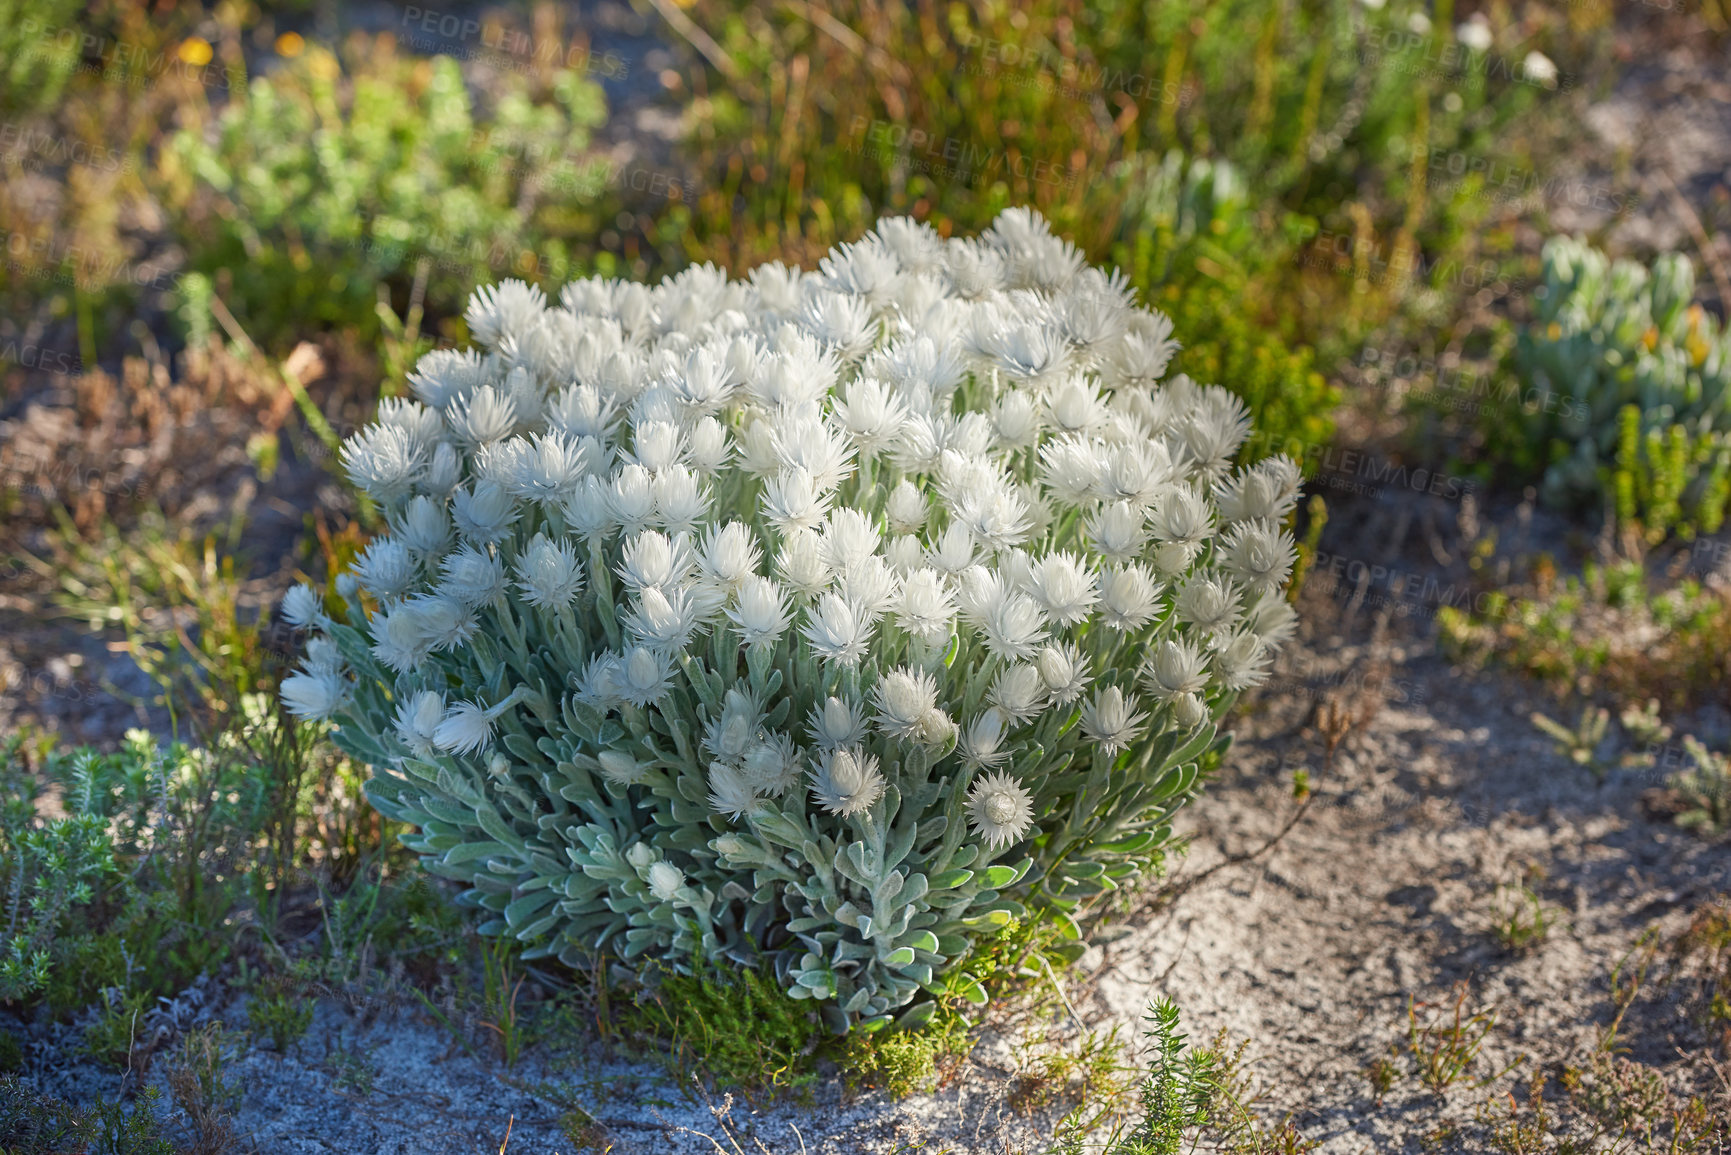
1383 892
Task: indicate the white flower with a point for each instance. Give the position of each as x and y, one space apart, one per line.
1011 627
386 568
1065 588
792 500
417 721
548 573
800 563
759 611
1540 69
869 585
954 551
837 631
1175 667
550 470
444 624
483 417
836 723
632 498
1258 553
1268 489
729 790
643 677
651 560
1112 719
1116 531
1475 33
423 526
589 510
710 449
1273 620
397 638
772 765
1000 809
1182 517
385 461
665 881
848 538
1189 711
1129 598
846 781
466 728
472 577
1064 670
983 744
1209 603
729 555
618 766
314 696
302 607
663 620
904 697
1242 661
1019 692
499 311
484 512
871 414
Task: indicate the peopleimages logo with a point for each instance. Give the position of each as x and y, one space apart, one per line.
31 356
950 157
511 43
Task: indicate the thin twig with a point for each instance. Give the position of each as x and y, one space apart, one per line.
699 39
1709 254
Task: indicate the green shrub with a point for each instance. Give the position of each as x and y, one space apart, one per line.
1629 405
39 49
689 763
280 1012
737 1027
47 870
35 1124
1705 787
1199 253
315 186
1613 632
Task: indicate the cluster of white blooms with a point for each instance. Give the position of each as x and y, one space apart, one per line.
930 505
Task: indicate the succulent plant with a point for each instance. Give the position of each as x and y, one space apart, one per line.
1610 335
820 621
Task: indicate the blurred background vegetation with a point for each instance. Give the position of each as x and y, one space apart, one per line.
231 229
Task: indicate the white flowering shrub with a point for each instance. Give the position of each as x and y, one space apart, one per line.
820 621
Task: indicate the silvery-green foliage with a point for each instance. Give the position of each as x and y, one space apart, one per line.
1611 333
824 619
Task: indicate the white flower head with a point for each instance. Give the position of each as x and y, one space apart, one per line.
548 573
665 880
983 743
1111 718
303 608
837 630
1000 809
314 696
846 781
904 697
760 612
836 722
466 728
1175 667
417 721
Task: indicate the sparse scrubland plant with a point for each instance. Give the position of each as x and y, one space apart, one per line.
1630 399
47 868
1609 632
820 621
315 186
